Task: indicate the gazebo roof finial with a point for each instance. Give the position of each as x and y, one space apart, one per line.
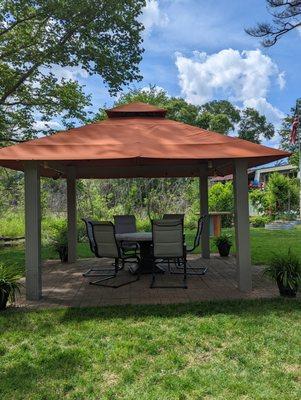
137 109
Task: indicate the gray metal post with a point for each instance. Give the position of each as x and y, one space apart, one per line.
33 232
72 216
242 229
205 241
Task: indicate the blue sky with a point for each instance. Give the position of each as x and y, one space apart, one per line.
198 49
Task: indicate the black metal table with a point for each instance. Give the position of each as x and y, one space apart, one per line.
144 239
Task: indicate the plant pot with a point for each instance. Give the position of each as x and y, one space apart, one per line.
224 249
286 291
63 253
3 300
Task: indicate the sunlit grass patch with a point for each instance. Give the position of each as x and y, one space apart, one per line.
218 350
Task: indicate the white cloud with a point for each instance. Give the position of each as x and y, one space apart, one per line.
152 16
243 77
281 80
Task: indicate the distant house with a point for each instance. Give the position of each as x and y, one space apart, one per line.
258 177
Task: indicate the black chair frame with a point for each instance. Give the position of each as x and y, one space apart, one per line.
110 273
94 272
191 270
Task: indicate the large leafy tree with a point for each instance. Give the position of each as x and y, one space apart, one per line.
36 36
254 127
286 16
177 108
217 115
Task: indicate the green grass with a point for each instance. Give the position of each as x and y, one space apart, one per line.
223 350
263 244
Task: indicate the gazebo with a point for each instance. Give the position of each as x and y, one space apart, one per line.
137 140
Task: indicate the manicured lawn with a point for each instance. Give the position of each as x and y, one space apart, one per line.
223 350
263 243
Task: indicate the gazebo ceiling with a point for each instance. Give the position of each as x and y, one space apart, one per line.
136 141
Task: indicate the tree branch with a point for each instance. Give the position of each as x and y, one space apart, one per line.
17 22
35 66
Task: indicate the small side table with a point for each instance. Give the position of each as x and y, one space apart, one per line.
215 218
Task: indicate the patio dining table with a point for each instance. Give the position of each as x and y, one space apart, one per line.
144 239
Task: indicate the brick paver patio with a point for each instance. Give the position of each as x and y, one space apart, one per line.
64 286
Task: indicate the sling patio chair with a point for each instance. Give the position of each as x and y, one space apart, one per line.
193 270
168 247
93 271
106 246
174 216
126 224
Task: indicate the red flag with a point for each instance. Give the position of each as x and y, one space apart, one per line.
294 131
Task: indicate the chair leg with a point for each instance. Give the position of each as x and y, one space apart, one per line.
98 272
185 273
117 269
191 270
184 286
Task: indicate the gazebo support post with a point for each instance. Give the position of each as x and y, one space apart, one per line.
205 242
72 216
242 230
33 231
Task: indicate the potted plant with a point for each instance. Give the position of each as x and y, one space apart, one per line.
285 269
9 284
223 243
60 240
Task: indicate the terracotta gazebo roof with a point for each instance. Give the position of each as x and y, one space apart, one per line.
136 141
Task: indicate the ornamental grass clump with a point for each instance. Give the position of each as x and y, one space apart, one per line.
285 269
9 284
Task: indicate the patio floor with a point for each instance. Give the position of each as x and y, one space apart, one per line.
64 286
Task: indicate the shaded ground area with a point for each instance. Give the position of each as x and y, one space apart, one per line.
64 285
211 350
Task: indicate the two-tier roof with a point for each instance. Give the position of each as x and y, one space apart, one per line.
137 140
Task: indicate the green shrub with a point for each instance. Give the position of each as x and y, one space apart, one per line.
281 195
221 199
60 239
143 224
12 225
259 221
285 268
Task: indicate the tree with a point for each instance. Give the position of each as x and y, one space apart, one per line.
286 15
177 108
217 115
221 116
37 36
281 195
253 126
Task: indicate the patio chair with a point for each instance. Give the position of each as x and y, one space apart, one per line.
191 270
168 247
126 224
93 271
106 246
174 216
